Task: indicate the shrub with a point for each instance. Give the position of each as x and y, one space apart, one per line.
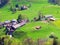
28 41
16 5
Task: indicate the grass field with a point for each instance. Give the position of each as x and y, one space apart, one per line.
29 31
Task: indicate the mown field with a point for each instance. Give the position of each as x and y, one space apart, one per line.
29 29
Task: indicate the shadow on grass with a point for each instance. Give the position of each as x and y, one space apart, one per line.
19 34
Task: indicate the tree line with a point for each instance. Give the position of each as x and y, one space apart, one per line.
54 1
3 2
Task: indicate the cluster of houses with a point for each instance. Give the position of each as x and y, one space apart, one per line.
11 26
19 8
43 18
23 7
50 17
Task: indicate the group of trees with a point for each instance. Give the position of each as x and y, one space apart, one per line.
6 40
54 1
3 2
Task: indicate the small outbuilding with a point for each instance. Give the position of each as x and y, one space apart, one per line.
37 27
7 22
50 17
24 7
14 21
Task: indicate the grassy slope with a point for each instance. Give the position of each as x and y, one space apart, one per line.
42 6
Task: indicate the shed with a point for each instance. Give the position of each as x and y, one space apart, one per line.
50 17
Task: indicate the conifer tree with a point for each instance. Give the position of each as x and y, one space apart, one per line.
19 18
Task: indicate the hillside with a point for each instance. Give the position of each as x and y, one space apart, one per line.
28 30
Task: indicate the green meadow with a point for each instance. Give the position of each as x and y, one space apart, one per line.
29 30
